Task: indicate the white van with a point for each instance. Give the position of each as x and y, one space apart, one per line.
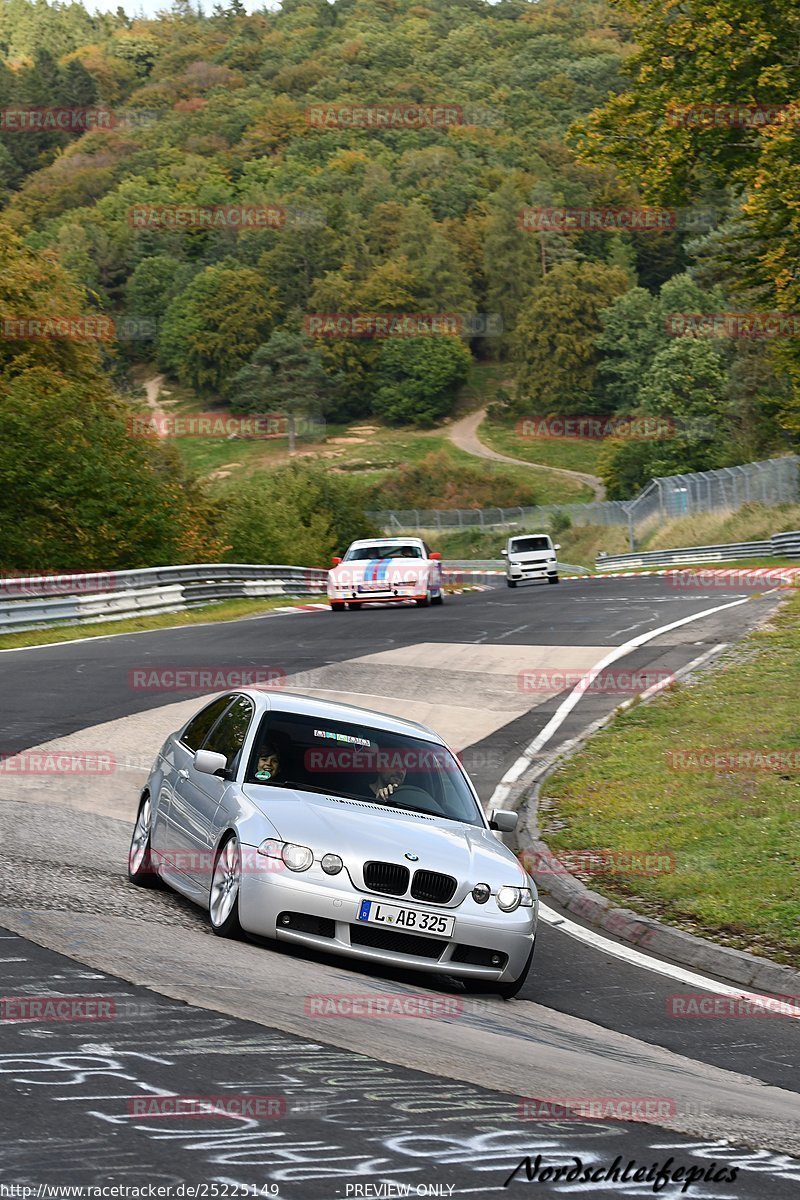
530 556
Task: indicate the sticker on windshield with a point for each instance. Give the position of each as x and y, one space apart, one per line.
342 737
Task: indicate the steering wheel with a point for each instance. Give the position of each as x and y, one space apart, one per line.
408 793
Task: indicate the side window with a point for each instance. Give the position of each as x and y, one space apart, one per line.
197 730
228 736
427 550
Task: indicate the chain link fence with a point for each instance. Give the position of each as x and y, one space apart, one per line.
774 481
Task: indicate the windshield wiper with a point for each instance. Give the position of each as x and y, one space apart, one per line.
430 812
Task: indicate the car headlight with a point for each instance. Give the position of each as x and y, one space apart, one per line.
331 864
297 858
508 898
271 848
481 893
511 898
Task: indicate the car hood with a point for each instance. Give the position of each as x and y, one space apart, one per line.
388 570
359 832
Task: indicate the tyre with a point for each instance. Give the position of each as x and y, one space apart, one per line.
354 605
438 599
226 880
425 600
337 606
511 582
507 991
141 870
552 579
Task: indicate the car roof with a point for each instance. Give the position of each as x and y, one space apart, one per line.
337 710
386 541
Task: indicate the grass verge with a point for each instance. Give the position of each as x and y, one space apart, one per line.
223 610
574 454
733 828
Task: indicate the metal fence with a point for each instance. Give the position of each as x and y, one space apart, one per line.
599 512
774 481
783 545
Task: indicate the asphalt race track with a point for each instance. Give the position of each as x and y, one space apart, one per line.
421 1101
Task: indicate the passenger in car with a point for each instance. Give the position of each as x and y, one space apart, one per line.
269 763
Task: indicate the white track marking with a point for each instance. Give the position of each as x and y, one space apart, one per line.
637 959
571 928
566 706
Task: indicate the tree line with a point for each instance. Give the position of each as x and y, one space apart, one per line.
559 107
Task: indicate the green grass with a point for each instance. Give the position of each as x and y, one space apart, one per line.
575 454
579 544
223 610
750 523
367 449
734 833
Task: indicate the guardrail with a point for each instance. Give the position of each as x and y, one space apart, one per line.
783 545
36 601
33 601
499 564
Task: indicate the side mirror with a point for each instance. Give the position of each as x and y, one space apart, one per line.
208 762
335 562
504 553
503 820
557 546
435 554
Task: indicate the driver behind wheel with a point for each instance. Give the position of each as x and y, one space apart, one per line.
387 783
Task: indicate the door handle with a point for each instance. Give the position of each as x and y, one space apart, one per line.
183 774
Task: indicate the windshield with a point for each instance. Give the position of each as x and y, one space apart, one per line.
360 763
524 545
398 551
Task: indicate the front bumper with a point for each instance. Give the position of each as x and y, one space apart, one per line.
352 595
532 571
264 898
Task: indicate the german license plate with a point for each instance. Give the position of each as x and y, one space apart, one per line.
393 917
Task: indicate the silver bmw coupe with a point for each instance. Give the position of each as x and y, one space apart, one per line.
340 828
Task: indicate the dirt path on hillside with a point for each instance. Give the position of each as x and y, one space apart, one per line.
152 389
464 434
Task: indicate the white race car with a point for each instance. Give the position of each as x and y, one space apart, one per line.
385 570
